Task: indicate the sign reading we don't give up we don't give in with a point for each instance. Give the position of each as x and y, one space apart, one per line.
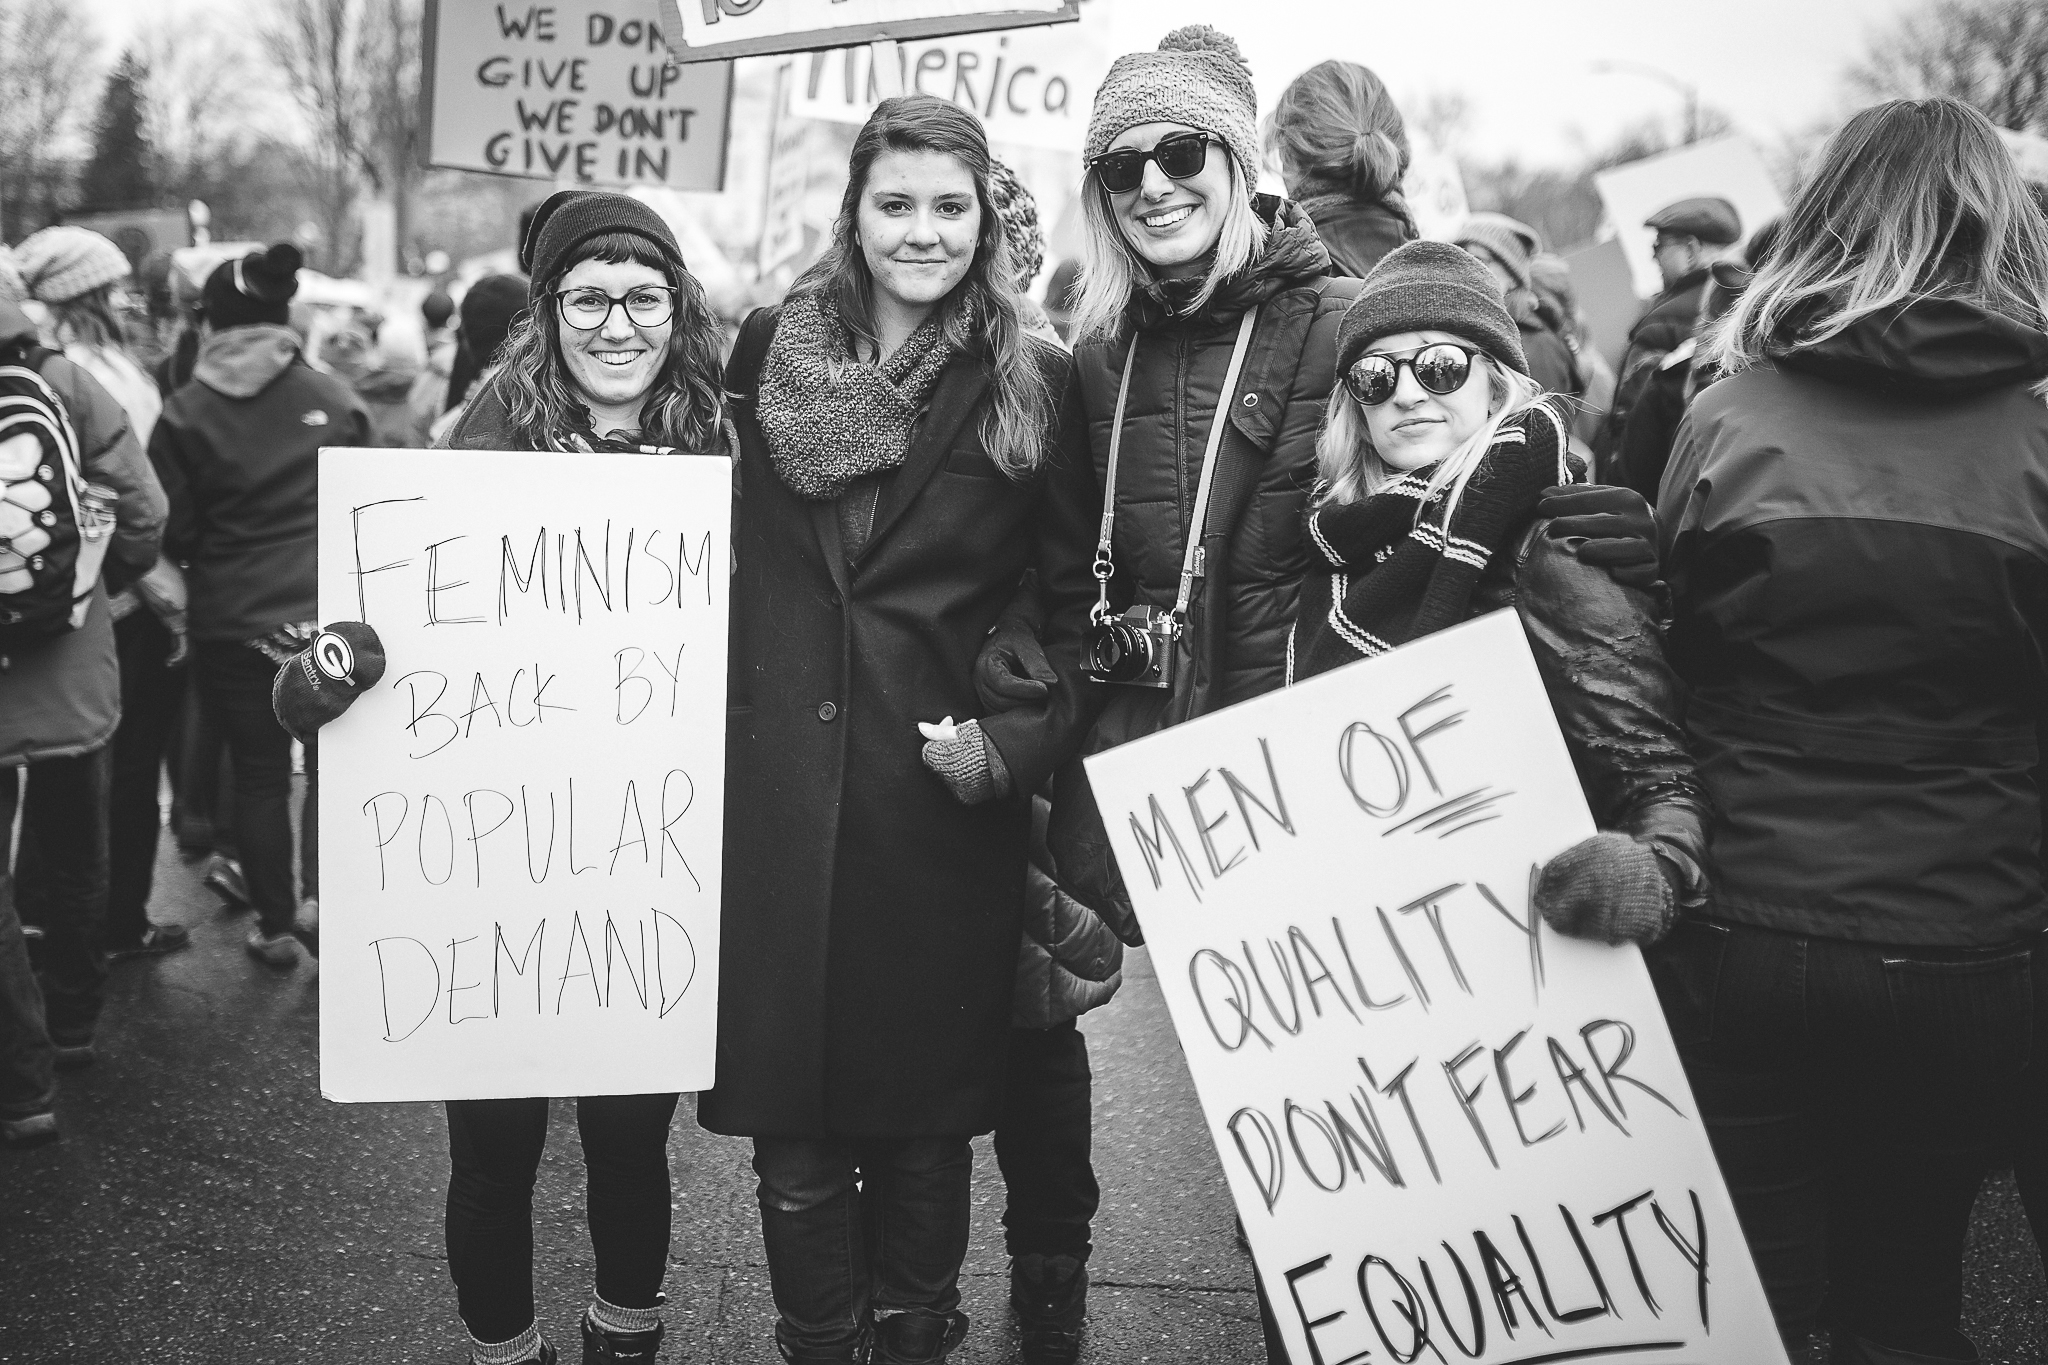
1452 1134
520 824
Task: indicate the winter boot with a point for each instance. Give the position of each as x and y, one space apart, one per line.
1049 1295
1854 1350
913 1338
602 1345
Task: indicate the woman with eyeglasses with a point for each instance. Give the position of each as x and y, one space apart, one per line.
905 458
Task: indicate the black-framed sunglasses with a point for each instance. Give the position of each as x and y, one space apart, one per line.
646 305
1441 367
1179 155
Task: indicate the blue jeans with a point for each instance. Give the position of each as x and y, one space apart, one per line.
1856 1095
856 1227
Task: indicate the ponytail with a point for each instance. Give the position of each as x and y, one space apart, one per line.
1336 131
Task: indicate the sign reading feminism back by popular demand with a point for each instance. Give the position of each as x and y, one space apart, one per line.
520 824
1452 1134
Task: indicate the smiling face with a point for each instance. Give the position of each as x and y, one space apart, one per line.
615 366
1416 428
918 224
1172 223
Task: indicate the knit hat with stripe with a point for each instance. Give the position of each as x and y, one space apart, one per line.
1430 287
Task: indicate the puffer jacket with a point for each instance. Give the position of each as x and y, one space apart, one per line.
62 696
1856 537
1235 645
1070 962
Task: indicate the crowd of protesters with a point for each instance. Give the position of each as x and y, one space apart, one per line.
1249 438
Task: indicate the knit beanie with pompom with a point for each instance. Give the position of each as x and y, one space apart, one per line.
62 263
1197 77
256 288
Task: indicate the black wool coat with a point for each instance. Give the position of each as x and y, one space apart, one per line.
871 922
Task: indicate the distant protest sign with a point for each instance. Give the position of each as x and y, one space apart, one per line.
520 825
1452 1135
1726 167
583 91
708 29
1030 87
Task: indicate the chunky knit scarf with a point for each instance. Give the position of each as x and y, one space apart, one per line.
830 419
1384 576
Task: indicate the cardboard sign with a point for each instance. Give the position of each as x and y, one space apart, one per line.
581 91
702 30
520 825
1030 87
1727 167
1451 1134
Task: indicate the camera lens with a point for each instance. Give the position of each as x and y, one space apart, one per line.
1116 651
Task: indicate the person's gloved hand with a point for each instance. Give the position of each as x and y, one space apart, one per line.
1619 529
320 682
965 761
1610 888
1011 669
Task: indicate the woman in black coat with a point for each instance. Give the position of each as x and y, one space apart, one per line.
904 459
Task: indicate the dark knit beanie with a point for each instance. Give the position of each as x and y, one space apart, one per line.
1430 287
257 288
1197 77
568 218
488 311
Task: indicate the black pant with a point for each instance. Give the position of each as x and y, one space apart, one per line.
151 697
494 1149
236 680
1856 1095
60 883
854 1226
1042 1143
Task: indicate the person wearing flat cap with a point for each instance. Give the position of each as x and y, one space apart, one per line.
613 349
1437 426
1692 234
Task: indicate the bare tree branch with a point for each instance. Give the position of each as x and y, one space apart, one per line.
1991 54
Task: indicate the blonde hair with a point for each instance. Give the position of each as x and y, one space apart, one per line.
1112 270
1350 470
1913 198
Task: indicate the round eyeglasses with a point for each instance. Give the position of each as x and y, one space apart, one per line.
1440 368
646 305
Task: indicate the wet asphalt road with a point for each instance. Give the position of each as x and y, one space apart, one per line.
206 1205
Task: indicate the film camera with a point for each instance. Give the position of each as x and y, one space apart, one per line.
1136 648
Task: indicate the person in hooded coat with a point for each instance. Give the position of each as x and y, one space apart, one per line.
1855 524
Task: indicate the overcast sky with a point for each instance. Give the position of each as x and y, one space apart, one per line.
1525 67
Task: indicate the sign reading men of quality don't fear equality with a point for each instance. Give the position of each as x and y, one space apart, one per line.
520 824
1452 1134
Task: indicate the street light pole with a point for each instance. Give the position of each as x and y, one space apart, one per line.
1686 89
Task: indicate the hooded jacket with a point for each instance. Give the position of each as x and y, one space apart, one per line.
1856 536
62 696
238 449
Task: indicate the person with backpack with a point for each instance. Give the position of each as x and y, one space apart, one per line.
237 449
80 513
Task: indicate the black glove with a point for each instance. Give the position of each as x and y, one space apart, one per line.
322 680
1011 670
1620 533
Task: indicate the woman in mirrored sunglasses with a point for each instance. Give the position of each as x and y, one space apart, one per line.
1428 512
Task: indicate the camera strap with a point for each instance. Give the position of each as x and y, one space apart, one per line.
1191 562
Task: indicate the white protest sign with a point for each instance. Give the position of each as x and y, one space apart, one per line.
789 171
1451 1134
1725 167
1031 87
705 29
583 91
1435 190
520 825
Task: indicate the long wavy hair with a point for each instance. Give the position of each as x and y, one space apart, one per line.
1350 470
1336 130
1912 199
686 405
1112 270
986 303
89 320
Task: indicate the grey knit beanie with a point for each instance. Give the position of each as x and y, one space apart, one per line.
1197 77
1514 244
60 263
1430 287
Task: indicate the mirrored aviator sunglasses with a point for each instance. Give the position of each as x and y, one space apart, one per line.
1179 156
1440 368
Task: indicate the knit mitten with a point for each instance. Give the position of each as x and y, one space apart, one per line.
966 762
320 682
1610 888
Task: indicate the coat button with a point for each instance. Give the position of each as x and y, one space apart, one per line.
827 711
1251 400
